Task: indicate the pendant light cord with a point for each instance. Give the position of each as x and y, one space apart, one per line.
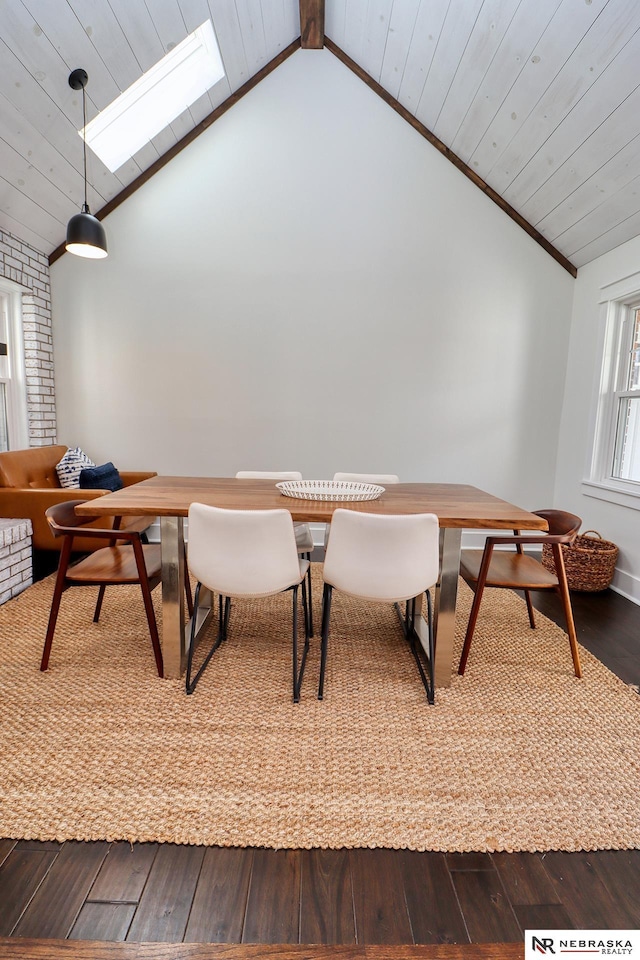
84 146
85 234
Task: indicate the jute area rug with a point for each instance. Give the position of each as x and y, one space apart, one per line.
516 755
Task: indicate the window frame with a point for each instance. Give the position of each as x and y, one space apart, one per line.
15 381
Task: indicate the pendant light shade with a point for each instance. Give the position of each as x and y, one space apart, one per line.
86 236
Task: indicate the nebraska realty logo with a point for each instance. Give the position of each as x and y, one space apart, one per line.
582 943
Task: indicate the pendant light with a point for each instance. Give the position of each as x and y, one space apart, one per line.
86 236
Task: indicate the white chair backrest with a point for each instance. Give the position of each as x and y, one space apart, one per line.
249 553
382 557
268 475
379 478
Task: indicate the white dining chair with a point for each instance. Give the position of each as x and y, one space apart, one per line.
385 558
382 479
244 554
304 537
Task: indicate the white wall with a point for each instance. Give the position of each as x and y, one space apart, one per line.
614 522
311 286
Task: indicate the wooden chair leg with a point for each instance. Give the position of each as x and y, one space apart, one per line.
96 614
527 594
475 606
471 626
148 606
563 590
58 590
532 620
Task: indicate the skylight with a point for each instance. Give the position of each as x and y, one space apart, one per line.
158 97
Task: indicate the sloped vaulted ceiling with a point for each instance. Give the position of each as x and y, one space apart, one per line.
537 100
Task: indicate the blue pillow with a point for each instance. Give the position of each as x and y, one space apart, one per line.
104 477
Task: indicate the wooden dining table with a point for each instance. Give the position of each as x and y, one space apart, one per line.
458 507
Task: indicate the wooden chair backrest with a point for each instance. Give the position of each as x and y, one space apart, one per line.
63 519
561 523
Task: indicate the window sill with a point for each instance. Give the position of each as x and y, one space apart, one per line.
612 494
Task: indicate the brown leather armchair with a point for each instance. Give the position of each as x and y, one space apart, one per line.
29 485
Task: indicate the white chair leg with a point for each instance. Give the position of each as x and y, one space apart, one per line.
223 622
326 615
298 672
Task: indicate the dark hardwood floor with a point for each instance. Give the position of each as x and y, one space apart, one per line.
167 893
29 949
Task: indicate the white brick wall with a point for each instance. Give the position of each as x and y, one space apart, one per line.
15 557
30 268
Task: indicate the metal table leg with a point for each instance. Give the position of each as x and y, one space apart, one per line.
173 637
174 629
445 604
444 615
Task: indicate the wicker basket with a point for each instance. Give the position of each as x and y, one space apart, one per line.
590 561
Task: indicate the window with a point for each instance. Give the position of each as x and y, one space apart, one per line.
13 401
626 458
4 422
156 98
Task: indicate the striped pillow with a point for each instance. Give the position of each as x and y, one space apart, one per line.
71 466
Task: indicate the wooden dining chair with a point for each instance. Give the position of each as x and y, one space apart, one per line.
245 554
124 559
516 570
390 559
304 537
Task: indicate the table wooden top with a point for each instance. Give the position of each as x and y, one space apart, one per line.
456 505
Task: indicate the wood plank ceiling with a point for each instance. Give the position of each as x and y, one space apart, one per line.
539 98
